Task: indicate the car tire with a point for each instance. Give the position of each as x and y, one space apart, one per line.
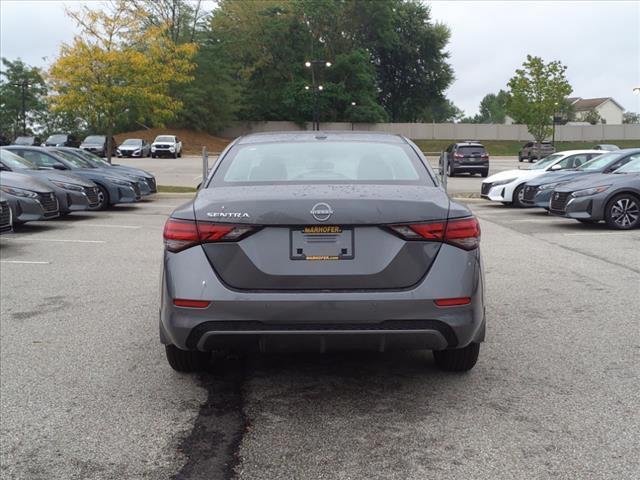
451 172
530 159
175 154
519 158
623 212
180 154
153 155
103 198
485 173
517 198
459 359
186 361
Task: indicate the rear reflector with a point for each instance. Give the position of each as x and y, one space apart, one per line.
181 234
460 232
452 302
181 302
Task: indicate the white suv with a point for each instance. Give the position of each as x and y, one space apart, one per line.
166 145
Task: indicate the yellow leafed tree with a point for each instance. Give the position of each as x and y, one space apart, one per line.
118 65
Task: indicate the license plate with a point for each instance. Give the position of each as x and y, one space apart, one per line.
321 242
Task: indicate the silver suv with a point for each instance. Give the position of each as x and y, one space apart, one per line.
535 151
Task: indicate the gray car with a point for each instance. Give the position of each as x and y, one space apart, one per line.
30 199
322 241
74 193
537 192
6 216
113 188
134 147
614 198
146 181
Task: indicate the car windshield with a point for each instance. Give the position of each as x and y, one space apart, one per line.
598 163
313 162
546 161
59 138
15 162
133 141
71 158
94 139
165 138
632 167
93 159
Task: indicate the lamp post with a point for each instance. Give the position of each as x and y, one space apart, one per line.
312 64
23 86
553 135
353 104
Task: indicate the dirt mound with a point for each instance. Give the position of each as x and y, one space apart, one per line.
192 142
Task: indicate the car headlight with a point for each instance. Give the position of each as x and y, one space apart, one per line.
68 186
136 151
19 192
590 191
502 182
172 149
547 186
153 149
118 181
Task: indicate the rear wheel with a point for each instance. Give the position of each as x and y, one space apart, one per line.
457 360
451 172
186 361
153 155
530 159
518 197
180 154
623 212
485 173
519 158
175 154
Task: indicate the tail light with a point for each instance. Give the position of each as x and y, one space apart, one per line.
485 155
181 234
460 232
458 155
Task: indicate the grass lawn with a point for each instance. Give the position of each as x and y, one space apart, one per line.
175 189
511 147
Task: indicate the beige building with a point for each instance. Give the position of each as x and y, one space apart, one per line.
609 110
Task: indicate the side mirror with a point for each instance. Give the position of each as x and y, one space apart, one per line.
59 166
199 185
556 167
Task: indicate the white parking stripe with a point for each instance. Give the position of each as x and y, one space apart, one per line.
24 262
110 226
585 234
60 240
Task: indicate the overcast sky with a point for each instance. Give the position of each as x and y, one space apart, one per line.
599 42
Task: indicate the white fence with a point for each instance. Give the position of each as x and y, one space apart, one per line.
452 131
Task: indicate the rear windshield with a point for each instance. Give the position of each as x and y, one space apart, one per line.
326 162
57 138
471 150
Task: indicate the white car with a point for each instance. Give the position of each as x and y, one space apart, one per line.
508 186
166 145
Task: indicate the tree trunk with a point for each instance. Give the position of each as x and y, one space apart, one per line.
109 144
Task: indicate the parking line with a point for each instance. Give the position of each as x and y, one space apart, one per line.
27 262
60 240
585 234
111 226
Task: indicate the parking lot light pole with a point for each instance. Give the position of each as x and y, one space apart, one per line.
353 104
553 135
312 64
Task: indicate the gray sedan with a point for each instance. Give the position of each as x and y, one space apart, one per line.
30 199
113 188
74 193
322 241
614 198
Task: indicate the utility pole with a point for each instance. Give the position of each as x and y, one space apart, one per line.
315 88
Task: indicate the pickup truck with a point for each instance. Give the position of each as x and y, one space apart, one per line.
166 145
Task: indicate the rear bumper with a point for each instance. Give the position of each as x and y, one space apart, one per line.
321 320
470 167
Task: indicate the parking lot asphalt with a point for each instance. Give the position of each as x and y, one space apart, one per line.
187 171
85 391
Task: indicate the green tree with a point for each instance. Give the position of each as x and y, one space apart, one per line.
630 117
535 92
592 117
116 68
18 79
441 111
493 107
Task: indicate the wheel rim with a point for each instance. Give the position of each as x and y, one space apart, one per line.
521 195
625 212
101 199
